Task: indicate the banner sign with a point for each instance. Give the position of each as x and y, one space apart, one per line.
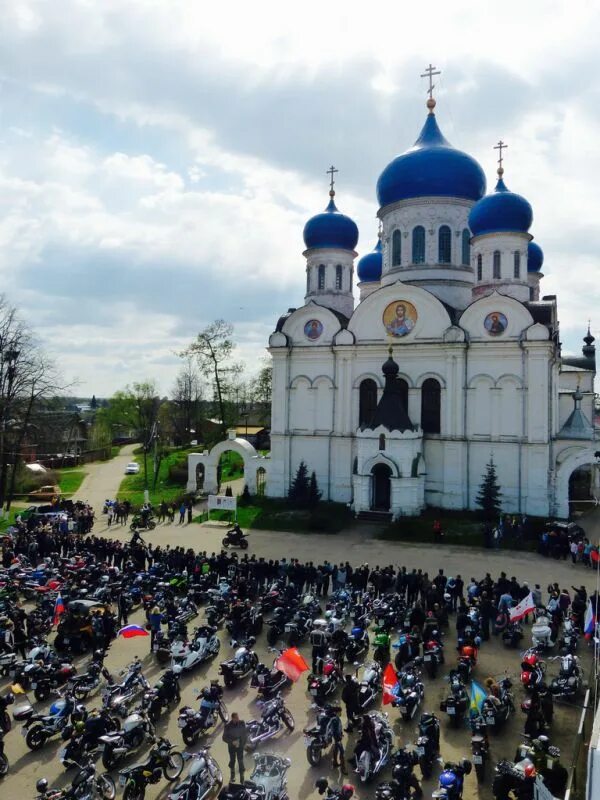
220 502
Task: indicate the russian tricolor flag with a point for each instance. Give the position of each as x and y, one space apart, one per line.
59 608
129 631
589 623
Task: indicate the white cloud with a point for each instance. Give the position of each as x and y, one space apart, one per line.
165 155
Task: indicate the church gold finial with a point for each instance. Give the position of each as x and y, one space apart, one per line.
500 147
331 172
429 73
390 351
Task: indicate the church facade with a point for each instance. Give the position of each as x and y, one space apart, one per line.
450 359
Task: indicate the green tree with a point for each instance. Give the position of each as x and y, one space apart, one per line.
314 495
489 497
299 490
212 350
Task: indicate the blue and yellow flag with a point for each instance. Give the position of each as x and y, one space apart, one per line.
478 695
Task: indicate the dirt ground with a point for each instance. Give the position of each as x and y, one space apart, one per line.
357 546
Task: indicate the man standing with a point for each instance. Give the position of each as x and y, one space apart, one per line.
235 735
319 640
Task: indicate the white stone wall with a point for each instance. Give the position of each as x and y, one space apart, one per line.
507 244
330 296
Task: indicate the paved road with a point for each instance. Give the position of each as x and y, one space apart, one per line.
104 478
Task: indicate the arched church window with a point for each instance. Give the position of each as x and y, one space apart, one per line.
307 281
338 277
517 264
418 245
321 283
497 265
479 267
396 248
444 245
367 402
431 397
466 247
382 441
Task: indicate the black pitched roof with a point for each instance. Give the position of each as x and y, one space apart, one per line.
390 411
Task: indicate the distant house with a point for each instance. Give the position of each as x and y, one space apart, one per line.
258 436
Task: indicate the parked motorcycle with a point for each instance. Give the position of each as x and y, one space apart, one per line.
39 728
136 730
480 748
165 692
369 684
267 781
451 781
162 761
457 702
6 700
358 643
514 780
404 781
268 682
212 708
497 707
569 639
244 662
532 670
433 656
86 785
84 684
4 765
368 765
428 743
512 634
543 631
321 686
318 737
118 697
274 718
204 645
203 780
408 692
569 681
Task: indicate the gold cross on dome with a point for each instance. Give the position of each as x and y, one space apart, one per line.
331 172
500 147
429 73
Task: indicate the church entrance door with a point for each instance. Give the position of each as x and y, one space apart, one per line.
381 487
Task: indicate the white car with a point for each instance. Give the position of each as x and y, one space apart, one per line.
132 468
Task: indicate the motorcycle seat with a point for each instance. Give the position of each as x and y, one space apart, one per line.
477 738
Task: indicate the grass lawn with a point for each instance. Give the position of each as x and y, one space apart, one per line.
171 484
70 480
276 515
232 466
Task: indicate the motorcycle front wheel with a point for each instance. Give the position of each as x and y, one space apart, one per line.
223 712
80 692
108 758
480 771
5 722
134 792
105 787
3 765
288 719
313 754
42 692
174 766
36 738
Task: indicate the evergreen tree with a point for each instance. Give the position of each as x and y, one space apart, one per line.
94 402
299 490
314 495
228 492
245 497
489 497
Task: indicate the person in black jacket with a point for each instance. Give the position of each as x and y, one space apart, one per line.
350 700
235 736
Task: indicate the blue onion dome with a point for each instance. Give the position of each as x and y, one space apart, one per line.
535 257
370 266
331 229
501 212
431 168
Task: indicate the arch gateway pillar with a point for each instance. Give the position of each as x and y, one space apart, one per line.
210 461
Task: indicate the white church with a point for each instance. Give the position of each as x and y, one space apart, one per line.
450 358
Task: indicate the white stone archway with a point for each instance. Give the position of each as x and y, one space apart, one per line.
567 462
210 461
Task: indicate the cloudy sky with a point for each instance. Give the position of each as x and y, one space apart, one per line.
158 158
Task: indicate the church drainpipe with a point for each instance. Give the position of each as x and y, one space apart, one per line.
523 401
465 394
288 469
331 432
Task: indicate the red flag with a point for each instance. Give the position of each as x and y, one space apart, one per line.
390 679
291 663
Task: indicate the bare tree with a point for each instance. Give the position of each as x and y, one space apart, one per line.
186 403
212 350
